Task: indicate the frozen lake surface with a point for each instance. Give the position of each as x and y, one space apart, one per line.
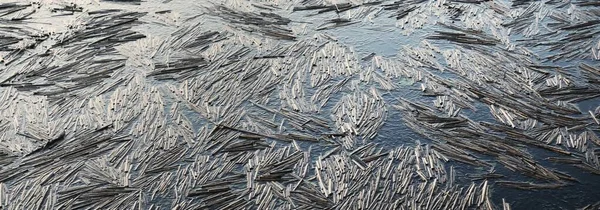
299 104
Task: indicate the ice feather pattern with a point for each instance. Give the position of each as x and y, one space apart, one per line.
298 104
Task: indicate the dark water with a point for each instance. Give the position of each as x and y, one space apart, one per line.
382 38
